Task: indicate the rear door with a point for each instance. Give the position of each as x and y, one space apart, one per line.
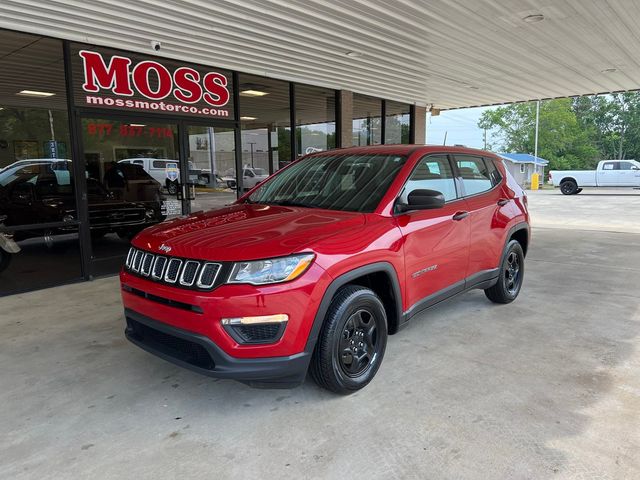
609 176
436 241
480 182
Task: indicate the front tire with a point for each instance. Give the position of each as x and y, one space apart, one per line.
569 187
511 276
352 341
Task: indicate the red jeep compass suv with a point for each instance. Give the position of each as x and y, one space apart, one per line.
315 266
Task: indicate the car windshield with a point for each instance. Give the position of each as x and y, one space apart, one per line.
260 171
354 183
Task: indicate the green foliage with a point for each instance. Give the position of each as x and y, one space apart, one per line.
563 139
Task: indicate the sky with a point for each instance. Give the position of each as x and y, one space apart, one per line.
461 127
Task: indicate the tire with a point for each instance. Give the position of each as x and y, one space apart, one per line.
569 187
5 260
172 188
356 322
509 283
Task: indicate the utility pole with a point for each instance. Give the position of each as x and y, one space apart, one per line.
535 148
445 137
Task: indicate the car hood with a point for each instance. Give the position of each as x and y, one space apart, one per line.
246 232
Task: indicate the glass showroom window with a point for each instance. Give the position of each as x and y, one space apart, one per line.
38 216
367 120
265 118
315 119
396 129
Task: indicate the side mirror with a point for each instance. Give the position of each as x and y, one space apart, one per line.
422 200
635 168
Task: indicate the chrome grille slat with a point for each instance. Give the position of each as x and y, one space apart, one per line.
189 272
130 255
137 260
208 275
196 274
147 261
173 270
158 267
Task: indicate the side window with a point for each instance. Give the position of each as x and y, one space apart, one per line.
474 173
626 165
610 166
494 173
159 164
433 172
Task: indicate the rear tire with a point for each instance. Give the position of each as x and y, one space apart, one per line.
509 282
569 187
352 341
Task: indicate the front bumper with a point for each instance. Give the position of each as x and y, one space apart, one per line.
200 354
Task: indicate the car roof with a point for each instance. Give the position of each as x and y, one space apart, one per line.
402 149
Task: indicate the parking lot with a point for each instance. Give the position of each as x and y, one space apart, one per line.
547 387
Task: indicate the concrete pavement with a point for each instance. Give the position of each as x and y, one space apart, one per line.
547 387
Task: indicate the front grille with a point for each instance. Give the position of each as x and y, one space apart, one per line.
185 273
175 347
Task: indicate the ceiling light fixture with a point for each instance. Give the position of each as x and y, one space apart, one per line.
137 125
34 93
248 118
538 17
253 93
353 54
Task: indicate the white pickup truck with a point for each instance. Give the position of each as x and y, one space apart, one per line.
610 173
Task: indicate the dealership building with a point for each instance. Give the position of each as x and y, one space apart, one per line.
111 120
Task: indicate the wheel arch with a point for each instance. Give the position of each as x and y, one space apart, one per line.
568 179
519 232
380 277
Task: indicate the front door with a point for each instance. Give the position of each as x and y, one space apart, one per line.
436 241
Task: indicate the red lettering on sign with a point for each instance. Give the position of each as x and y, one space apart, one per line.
154 81
188 89
142 81
97 74
216 86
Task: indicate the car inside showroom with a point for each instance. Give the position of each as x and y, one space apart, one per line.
244 239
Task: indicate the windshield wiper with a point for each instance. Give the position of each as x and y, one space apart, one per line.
289 203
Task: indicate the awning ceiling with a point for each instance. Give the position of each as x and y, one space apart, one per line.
445 53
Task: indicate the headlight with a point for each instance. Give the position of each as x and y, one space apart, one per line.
274 270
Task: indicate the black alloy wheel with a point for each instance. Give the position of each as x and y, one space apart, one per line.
511 275
568 187
352 341
357 346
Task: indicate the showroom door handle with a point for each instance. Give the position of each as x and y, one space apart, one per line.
460 215
502 202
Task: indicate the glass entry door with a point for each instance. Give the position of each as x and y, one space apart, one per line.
131 172
212 180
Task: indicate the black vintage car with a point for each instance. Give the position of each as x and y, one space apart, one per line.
41 192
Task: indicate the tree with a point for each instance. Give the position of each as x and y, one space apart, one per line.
613 121
562 139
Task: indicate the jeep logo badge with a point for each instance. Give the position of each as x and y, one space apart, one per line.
164 248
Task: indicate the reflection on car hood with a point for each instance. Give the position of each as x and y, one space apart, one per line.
246 232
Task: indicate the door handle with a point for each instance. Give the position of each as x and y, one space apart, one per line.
502 202
460 216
